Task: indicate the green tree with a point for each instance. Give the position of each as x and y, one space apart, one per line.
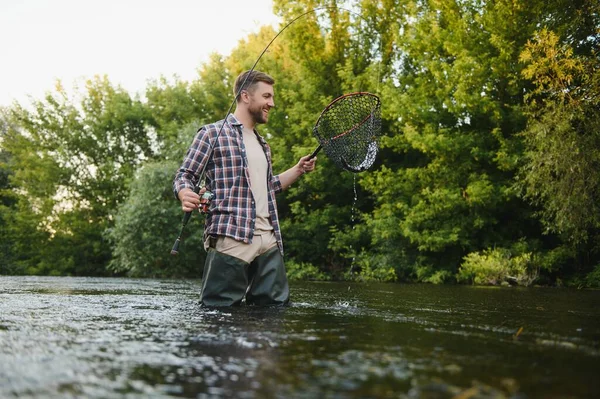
560 173
7 211
453 101
72 159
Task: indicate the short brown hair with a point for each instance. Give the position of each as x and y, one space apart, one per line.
247 80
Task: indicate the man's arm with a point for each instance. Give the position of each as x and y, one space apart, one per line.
304 165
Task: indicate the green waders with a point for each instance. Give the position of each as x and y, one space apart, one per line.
226 280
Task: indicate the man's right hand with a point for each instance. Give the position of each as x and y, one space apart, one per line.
189 199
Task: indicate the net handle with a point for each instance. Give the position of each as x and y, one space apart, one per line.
315 152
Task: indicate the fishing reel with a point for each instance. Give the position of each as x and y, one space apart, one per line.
205 201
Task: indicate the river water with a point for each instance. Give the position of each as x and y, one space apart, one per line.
132 338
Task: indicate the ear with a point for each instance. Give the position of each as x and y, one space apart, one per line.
245 96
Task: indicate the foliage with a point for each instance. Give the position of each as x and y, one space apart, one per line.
72 158
7 214
561 171
304 272
451 146
148 223
592 280
457 93
498 266
91 144
366 270
427 274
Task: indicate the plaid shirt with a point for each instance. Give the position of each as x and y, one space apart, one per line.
232 211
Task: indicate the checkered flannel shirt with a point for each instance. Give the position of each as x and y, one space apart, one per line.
232 211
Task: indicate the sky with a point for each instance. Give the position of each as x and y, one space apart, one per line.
131 41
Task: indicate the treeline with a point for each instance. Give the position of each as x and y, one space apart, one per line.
488 173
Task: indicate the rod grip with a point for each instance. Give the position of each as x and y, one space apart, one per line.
175 249
186 218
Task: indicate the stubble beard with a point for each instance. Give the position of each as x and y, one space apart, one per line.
257 115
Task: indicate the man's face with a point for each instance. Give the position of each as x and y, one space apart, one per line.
261 102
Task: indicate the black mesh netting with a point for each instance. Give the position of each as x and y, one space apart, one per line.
349 130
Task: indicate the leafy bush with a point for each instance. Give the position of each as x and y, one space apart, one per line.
304 271
369 270
499 266
593 278
589 280
428 275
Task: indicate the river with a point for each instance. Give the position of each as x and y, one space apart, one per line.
66 337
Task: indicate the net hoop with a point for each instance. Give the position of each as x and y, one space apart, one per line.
348 130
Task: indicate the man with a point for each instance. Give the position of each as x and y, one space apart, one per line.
242 234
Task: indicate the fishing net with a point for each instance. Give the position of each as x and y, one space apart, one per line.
348 131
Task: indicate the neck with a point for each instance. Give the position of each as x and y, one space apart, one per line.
245 118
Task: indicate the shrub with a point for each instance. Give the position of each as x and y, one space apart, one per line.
498 266
369 270
304 271
592 279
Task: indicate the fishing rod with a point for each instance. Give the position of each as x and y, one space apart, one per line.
207 196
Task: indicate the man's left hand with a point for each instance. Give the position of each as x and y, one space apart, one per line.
306 164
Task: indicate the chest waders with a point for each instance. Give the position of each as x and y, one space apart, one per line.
227 280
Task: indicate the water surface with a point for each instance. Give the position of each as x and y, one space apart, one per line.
99 338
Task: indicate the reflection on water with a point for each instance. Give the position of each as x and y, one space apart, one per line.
98 338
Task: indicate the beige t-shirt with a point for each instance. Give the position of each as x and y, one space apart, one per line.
258 168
